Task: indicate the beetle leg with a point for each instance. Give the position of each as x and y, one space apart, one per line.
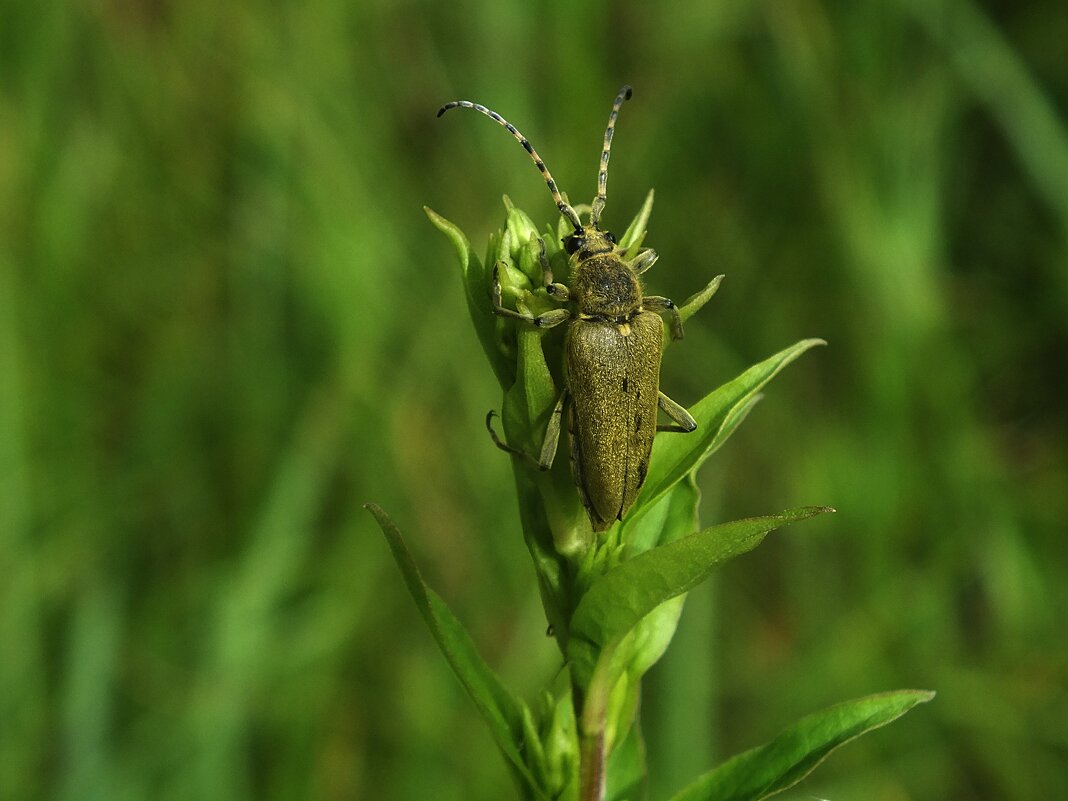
557 292
552 434
659 304
504 446
546 320
644 260
548 447
685 420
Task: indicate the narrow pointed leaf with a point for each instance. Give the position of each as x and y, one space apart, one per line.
560 741
696 301
654 632
632 238
674 517
500 709
475 290
717 415
786 760
617 601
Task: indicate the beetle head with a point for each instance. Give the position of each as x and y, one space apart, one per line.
589 241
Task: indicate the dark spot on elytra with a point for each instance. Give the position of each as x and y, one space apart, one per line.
624 383
638 422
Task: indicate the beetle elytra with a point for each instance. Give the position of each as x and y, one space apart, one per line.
612 350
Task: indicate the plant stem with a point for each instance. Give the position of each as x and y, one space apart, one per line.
591 768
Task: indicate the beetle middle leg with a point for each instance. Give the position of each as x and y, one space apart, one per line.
644 260
548 445
683 419
662 305
547 320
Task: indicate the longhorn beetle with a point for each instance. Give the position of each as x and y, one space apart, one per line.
612 350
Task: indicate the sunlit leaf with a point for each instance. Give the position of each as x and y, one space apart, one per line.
696 301
617 601
632 238
476 291
653 633
791 756
717 415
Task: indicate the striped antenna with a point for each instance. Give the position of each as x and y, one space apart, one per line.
602 176
565 209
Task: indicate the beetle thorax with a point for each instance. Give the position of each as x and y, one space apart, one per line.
605 286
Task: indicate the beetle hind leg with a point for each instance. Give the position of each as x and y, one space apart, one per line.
665 306
684 422
504 446
549 444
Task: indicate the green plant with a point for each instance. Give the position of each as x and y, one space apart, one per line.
612 599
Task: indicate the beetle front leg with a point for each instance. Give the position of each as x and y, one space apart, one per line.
662 305
557 292
683 418
644 260
546 320
549 444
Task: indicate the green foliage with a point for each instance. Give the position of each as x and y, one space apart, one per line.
225 323
617 601
613 599
717 416
786 760
506 715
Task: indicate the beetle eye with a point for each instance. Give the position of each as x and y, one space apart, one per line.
572 243
610 237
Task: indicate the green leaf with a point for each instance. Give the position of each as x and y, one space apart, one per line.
617 601
718 415
696 301
674 516
560 740
529 402
791 756
501 710
550 565
632 238
527 408
523 238
626 772
634 654
654 632
478 302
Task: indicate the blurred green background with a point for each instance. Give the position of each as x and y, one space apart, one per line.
225 323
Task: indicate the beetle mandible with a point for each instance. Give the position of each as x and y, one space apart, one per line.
612 350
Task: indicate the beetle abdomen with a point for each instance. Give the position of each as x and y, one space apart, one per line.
614 375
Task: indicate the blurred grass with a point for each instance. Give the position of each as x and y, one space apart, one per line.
225 323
